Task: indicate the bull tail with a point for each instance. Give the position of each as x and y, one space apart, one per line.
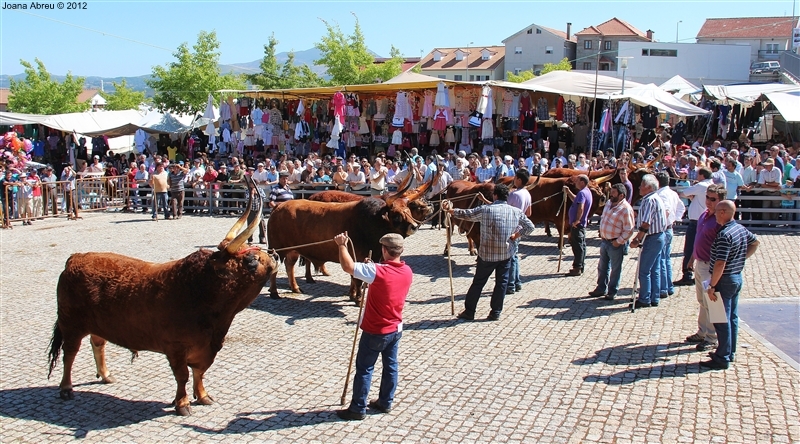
55 348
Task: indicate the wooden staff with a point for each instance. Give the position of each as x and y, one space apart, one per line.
561 234
450 264
355 339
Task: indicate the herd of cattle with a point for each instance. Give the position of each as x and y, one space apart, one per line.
184 308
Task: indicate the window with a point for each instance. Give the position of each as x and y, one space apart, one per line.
530 31
587 44
457 77
459 55
437 56
486 78
538 31
548 50
471 78
517 71
587 66
663 53
607 45
518 50
772 48
645 52
442 76
486 54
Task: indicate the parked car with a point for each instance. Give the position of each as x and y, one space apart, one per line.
764 67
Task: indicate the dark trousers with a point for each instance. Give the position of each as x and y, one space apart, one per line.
483 271
50 199
176 202
577 240
688 248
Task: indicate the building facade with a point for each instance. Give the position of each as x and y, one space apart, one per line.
465 64
605 39
533 46
767 37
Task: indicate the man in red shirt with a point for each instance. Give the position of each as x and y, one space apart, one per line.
382 324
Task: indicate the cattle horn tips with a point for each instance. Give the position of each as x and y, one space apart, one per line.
531 186
234 239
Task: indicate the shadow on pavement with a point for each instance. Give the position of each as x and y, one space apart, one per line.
635 353
298 306
247 422
631 375
576 308
433 324
88 412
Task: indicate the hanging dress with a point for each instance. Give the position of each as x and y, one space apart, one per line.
440 119
449 137
397 137
336 131
434 139
338 105
427 108
513 112
441 95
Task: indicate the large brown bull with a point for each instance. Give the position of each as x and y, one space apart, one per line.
300 222
181 308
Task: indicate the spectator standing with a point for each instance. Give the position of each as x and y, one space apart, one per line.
578 220
7 185
508 224
616 228
160 183
485 172
519 198
68 176
236 182
356 178
734 182
729 251
652 221
769 180
38 208
675 209
177 190
381 325
697 206
142 179
377 178
49 191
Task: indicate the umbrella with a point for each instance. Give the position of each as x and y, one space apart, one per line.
209 114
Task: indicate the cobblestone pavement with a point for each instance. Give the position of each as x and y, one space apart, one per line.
558 367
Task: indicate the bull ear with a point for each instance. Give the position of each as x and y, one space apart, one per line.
531 186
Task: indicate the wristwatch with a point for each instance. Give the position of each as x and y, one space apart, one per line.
711 287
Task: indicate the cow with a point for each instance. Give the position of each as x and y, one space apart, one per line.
420 210
181 308
296 223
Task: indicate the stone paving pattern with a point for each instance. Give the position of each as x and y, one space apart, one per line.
558 367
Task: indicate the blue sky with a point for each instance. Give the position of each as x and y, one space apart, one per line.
126 38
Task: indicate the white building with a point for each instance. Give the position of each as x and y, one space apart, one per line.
533 46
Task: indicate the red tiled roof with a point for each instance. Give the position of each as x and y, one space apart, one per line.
561 34
746 28
614 27
86 94
473 55
408 62
4 93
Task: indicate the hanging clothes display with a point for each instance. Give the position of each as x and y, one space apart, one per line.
397 137
336 132
525 102
434 139
427 107
338 106
542 112
570 114
441 96
440 119
449 137
649 115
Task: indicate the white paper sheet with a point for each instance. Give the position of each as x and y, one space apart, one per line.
716 309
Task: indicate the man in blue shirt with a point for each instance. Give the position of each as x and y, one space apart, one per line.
578 220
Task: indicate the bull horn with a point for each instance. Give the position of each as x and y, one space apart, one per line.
237 243
235 229
404 185
652 163
533 185
606 178
419 192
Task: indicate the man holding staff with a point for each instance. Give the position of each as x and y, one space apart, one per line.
381 325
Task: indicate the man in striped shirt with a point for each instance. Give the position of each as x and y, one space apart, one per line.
732 246
501 224
616 227
652 222
485 172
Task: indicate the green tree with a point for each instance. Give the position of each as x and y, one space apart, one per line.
349 62
123 97
521 77
563 65
183 86
274 76
40 94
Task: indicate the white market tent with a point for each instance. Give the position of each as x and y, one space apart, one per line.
572 83
746 94
678 83
653 95
787 103
109 123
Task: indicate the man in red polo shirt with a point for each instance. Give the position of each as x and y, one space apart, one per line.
382 324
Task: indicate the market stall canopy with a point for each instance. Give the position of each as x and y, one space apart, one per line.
109 123
20 119
746 94
571 83
652 95
676 84
787 103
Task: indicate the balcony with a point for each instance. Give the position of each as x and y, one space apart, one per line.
769 54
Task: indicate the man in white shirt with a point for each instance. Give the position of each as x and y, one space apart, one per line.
393 169
440 183
356 178
675 209
519 198
770 181
377 178
559 155
485 172
697 193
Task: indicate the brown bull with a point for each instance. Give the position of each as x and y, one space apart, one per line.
181 308
299 222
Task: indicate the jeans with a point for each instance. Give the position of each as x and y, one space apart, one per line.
577 240
688 248
160 201
513 268
729 287
650 269
666 264
369 347
483 270
610 260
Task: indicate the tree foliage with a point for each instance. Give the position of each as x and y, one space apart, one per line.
563 65
521 77
349 62
183 86
123 97
275 76
40 94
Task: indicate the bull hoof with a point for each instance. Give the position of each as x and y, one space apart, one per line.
206 400
325 272
67 394
297 290
107 379
309 280
275 296
184 411
473 253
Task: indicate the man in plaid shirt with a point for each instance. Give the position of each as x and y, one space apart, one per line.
616 227
501 225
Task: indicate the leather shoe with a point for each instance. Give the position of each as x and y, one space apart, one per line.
466 316
518 288
610 297
695 338
510 290
597 293
348 415
493 316
705 345
714 365
375 405
639 304
683 282
574 272
654 304
663 295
